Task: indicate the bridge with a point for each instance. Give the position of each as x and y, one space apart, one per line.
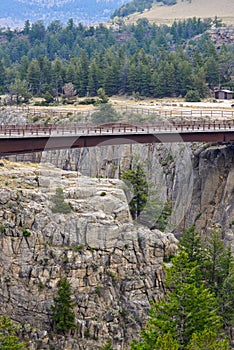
17 139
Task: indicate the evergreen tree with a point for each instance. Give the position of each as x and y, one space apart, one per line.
63 316
93 82
207 340
212 72
58 76
106 114
34 77
26 28
188 308
103 98
19 89
107 345
23 68
191 243
60 206
8 336
2 77
226 302
216 269
166 342
83 74
218 261
192 96
137 179
199 82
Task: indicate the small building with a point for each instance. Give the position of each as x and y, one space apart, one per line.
223 94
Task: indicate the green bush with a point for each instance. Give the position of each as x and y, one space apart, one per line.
106 114
8 335
60 206
192 96
26 233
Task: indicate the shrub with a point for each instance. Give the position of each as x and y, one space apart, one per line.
60 205
26 233
192 96
106 114
8 335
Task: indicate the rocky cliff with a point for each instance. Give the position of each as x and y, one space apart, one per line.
198 179
114 265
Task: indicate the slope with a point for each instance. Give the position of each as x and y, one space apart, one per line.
197 8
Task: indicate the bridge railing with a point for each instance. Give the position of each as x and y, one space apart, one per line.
77 129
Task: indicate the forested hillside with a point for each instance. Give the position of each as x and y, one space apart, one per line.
143 59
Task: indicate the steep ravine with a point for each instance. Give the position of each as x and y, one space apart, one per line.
114 265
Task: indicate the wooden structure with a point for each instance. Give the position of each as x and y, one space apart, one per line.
224 94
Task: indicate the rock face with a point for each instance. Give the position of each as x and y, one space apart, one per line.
114 265
212 200
197 179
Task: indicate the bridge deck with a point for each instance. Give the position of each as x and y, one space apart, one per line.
34 138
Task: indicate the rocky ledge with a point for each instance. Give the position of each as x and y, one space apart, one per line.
114 265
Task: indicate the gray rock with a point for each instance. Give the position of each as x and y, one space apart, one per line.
113 265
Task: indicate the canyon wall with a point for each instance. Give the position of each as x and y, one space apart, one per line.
197 179
114 265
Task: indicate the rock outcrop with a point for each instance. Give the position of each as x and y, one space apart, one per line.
212 200
197 179
114 265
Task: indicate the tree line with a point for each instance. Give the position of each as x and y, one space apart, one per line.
143 58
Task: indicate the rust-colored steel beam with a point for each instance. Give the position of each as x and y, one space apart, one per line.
26 144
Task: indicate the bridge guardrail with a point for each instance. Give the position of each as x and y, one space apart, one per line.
76 129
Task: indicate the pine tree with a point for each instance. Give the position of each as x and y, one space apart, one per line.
216 269
2 76
107 345
191 243
207 340
137 178
218 260
188 307
60 206
8 336
106 114
63 316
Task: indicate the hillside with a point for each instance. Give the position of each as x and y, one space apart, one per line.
14 13
197 8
